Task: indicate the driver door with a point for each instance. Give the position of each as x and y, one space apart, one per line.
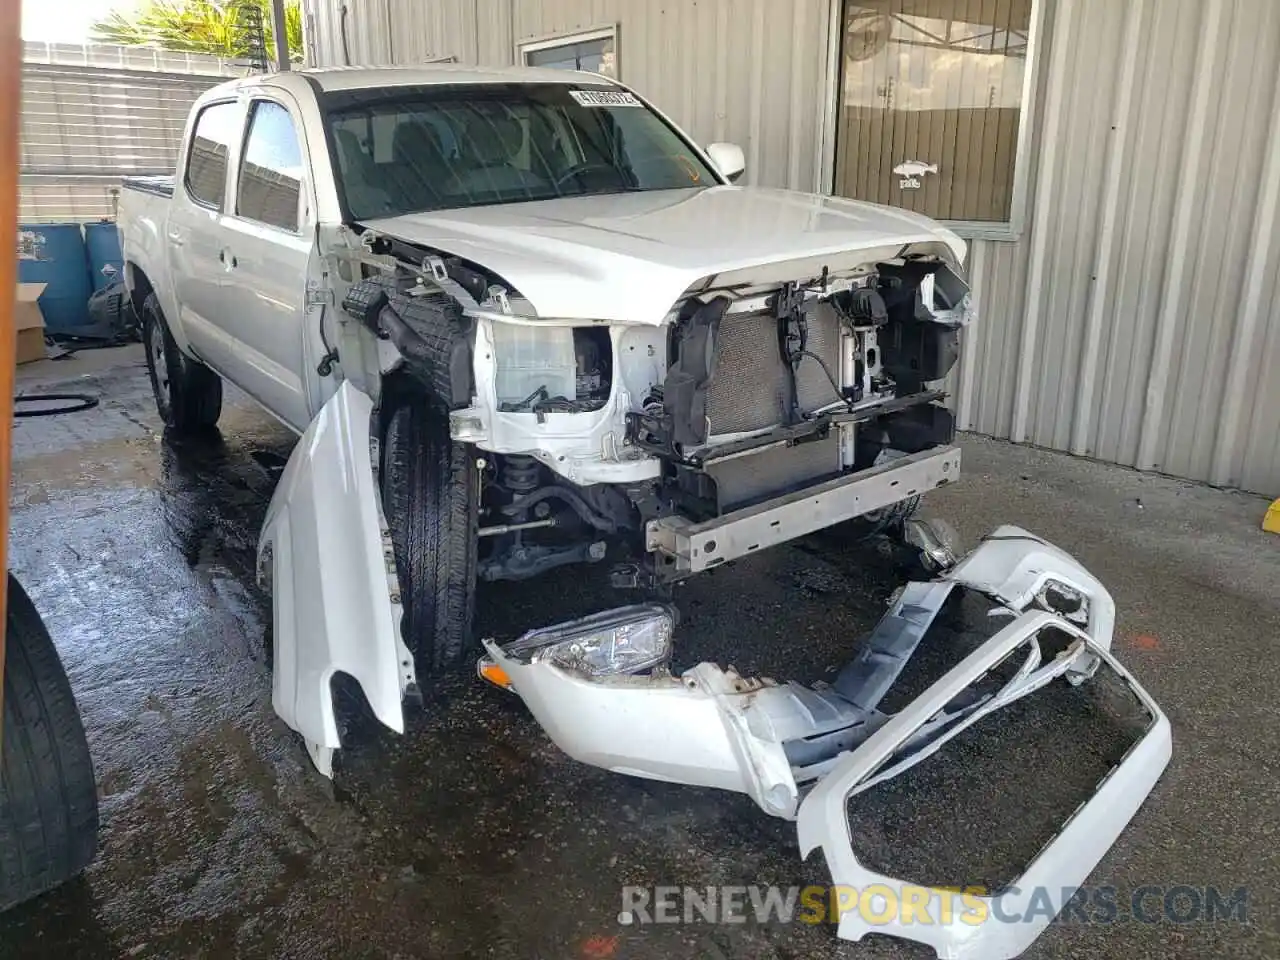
269 251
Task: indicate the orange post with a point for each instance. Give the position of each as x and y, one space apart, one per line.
10 105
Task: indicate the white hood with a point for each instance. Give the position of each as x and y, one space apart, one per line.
630 257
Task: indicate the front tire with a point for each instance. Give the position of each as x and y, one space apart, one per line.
48 800
188 394
430 499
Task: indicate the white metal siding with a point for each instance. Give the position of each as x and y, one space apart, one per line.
1138 315
1134 321
92 114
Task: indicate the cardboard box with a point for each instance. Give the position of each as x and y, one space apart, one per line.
29 321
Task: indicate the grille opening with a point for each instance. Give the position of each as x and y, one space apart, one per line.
980 810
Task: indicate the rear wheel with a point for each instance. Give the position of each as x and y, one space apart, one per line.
48 801
188 394
430 499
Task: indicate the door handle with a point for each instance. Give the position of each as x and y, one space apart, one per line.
176 238
228 259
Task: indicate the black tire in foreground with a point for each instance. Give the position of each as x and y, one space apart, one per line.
188 394
48 800
430 499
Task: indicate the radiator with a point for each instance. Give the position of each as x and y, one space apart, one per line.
748 389
743 481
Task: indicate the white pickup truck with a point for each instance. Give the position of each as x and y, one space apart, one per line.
522 322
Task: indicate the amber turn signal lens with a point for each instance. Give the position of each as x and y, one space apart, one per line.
488 670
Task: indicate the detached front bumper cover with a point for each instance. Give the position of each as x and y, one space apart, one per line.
966 927
775 741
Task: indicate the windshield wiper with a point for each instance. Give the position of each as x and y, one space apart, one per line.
602 191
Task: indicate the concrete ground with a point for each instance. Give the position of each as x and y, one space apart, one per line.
472 835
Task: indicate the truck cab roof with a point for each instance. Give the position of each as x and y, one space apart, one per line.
362 78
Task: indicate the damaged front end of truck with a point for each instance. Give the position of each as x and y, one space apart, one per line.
732 405
720 414
709 415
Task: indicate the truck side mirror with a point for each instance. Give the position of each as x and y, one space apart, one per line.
729 159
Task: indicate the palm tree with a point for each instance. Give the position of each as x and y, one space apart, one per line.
221 28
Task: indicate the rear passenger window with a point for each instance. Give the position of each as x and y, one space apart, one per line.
207 162
271 171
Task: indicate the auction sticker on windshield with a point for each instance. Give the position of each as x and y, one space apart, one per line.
605 98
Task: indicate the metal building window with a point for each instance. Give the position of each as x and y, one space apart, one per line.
933 107
592 50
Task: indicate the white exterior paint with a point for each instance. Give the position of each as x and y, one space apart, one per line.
1060 868
1134 318
629 258
692 729
232 289
238 295
335 602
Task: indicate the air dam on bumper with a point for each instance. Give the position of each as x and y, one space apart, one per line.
716 728
694 547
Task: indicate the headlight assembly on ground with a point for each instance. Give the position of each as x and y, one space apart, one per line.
613 643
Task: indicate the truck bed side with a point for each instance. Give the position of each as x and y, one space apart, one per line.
143 218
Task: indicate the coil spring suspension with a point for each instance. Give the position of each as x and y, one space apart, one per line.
520 473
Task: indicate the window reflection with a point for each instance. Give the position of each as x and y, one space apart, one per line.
206 174
931 99
271 174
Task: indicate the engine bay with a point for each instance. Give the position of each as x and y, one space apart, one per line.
763 399
586 434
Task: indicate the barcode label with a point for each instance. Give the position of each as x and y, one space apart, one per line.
605 98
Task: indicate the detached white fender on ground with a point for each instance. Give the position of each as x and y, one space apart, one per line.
325 550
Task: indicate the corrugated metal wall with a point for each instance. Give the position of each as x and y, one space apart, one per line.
1137 320
94 113
1134 321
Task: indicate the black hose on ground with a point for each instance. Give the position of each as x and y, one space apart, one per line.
80 402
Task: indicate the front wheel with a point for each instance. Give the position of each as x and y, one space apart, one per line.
188 394
430 500
48 801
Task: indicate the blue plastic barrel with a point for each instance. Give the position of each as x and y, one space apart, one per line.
106 263
54 254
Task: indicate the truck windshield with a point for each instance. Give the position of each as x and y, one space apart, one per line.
474 146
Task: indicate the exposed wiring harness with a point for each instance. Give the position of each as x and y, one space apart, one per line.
325 366
541 402
840 394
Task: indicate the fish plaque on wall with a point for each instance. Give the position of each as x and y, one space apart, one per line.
912 172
